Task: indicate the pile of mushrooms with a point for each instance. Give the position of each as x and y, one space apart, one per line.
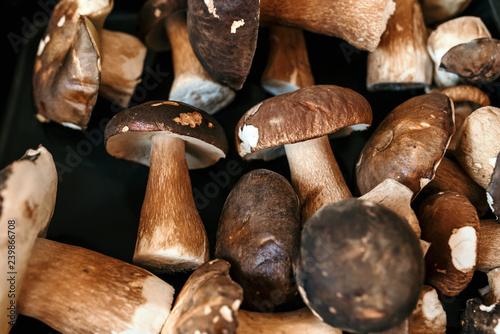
307 251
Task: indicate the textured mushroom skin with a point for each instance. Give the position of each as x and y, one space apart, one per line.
258 234
208 302
223 35
307 113
361 266
441 216
476 62
479 318
408 144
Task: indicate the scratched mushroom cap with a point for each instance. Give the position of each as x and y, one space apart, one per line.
408 144
128 134
303 114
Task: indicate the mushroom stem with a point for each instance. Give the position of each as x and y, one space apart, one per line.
171 234
315 175
301 321
192 84
488 246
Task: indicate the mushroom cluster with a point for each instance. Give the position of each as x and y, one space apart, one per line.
272 199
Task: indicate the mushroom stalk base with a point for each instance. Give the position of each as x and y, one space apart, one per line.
315 175
171 236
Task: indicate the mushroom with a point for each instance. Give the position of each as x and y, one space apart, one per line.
408 144
123 57
446 35
450 223
438 11
28 190
258 233
301 121
66 73
451 176
466 99
287 68
207 303
361 268
77 290
429 315
361 24
476 62
479 144
170 137
401 60
488 246
493 189
478 318
192 84
494 282
299 321
223 36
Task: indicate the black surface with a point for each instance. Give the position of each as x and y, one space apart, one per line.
99 197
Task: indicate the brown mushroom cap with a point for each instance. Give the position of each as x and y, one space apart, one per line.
258 233
408 144
307 113
128 134
207 303
475 62
437 11
451 225
224 37
429 315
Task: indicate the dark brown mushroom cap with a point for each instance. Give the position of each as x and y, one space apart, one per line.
258 233
493 189
223 35
475 62
449 222
151 22
128 134
478 318
408 144
207 303
307 113
361 267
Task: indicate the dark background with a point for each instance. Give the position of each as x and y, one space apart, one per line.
99 200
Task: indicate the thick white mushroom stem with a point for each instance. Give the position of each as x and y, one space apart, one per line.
192 84
287 67
171 234
301 321
315 175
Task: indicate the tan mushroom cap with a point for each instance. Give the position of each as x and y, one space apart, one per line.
479 144
307 113
408 144
128 134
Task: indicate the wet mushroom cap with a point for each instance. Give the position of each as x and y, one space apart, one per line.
476 62
307 113
259 231
128 134
361 266
408 144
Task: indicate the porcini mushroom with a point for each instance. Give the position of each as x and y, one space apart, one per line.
77 290
478 318
450 223
301 121
479 144
429 315
408 144
494 282
223 36
438 11
28 190
192 84
287 67
488 246
66 74
171 138
361 268
123 57
258 233
476 62
401 60
207 303
446 35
